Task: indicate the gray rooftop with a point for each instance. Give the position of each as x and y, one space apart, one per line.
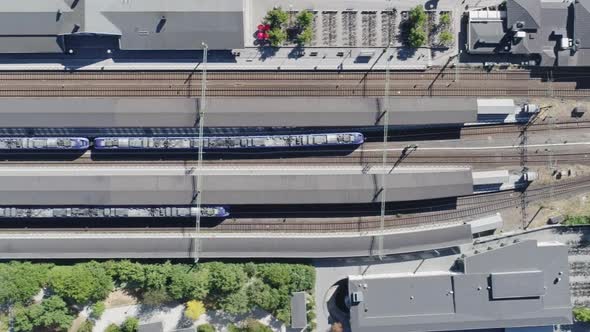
151 327
232 112
545 23
298 310
150 189
523 284
142 25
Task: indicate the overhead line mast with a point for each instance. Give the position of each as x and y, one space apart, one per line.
384 153
201 119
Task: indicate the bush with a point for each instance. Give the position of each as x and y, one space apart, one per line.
194 309
156 297
86 327
446 38
131 324
582 314
277 37
81 283
445 19
97 309
205 328
276 17
113 328
577 220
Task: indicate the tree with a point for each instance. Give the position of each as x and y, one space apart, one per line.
276 17
305 36
205 328
263 296
226 278
113 328
304 19
50 314
277 37
132 274
156 297
20 281
234 303
253 325
97 309
446 38
275 274
86 327
582 314
417 16
156 275
417 37
81 283
250 269
445 18
188 285
194 309
131 324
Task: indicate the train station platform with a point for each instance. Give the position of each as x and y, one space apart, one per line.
46 186
233 112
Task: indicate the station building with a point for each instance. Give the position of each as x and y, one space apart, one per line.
550 32
54 26
502 287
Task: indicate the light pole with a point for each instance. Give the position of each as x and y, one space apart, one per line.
384 152
201 118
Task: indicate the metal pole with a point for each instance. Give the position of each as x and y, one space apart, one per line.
384 153
202 107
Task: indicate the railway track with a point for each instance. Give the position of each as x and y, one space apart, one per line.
185 76
281 84
190 92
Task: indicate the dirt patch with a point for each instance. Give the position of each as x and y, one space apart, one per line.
77 323
119 298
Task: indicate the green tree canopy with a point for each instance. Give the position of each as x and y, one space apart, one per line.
276 17
185 284
20 281
582 314
86 327
234 303
445 19
417 37
130 273
155 297
305 36
156 275
131 324
304 19
277 37
205 328
51 314
81 283
113 328
446 38
417 16
226 278
97 309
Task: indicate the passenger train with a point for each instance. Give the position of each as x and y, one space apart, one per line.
112 212
44 143
223 143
